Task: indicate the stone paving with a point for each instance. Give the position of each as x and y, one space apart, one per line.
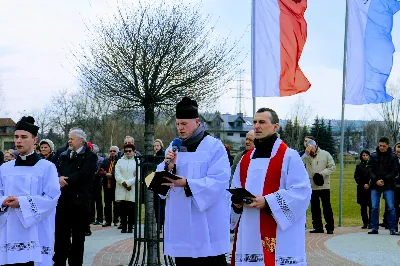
349 246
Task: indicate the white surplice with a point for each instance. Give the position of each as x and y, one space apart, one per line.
198 226
27 233
289 205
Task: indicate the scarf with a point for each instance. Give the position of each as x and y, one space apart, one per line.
194 138
264 146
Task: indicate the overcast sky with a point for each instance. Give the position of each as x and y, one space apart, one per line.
35 36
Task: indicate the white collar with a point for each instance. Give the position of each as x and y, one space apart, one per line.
79 150
23 157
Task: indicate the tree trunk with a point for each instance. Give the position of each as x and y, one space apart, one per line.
150 221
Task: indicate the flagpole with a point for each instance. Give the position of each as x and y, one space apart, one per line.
254 105
342 120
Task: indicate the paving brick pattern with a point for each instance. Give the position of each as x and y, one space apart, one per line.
119 253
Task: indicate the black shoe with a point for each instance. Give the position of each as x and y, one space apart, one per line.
120 227
88 233
106 225
130 231
329 232
392 232
373 232
383 225
317 231
364 226
123 231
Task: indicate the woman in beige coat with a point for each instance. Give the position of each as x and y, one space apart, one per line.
125 176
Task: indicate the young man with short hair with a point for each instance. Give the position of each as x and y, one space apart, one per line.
29 192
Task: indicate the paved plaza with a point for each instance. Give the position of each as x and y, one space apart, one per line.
348 246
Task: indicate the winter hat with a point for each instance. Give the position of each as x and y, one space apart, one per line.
27 123
187 109
318 179
48 142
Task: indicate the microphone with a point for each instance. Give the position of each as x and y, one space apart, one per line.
176 144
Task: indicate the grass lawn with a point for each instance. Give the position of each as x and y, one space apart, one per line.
350 209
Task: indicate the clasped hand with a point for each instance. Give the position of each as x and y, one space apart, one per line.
258 203
62 181
126 186
380 183
11 201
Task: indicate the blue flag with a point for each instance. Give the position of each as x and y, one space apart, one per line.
369 50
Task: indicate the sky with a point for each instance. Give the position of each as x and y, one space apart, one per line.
35 55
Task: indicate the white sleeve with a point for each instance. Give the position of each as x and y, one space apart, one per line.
209 189
33 209
4 210
118 175
236 176
290 202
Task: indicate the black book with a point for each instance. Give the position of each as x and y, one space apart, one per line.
159 179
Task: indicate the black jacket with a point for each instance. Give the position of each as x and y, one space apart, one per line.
361 177
383 166
58 153
80 170
104 169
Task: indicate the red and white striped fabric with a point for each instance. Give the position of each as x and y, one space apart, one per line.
279 33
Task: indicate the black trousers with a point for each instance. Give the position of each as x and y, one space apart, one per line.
210 261
159 210
31 263
366 212
325 196
127 212
97 204
70 221
109 205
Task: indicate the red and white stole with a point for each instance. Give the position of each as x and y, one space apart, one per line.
268 224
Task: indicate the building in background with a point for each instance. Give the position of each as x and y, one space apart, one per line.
7 129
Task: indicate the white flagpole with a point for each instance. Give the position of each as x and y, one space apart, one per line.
342 121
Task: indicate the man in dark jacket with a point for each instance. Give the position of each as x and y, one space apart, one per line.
383 167
107 173
76 168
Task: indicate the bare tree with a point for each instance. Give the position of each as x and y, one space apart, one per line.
62 111
43 120
149 57
298 117
390 111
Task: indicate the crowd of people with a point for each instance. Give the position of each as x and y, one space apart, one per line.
47 200
45 192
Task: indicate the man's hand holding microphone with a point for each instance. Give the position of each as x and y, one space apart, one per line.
170 161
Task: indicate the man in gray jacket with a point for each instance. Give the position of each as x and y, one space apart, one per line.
320 165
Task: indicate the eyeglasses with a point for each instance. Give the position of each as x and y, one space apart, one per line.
113 151
128 151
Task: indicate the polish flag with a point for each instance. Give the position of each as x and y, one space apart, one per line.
279 32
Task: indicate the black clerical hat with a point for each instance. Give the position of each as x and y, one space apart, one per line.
27 123
187 109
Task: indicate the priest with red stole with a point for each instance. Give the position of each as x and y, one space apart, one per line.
271 227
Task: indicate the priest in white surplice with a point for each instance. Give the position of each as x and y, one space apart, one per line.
29 191
271 229
196 229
